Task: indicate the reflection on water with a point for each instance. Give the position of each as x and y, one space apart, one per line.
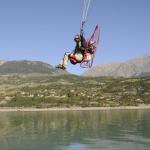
75 130
76 146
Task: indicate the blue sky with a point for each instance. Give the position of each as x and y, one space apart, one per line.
44 29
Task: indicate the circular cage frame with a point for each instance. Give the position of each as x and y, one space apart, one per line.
95 38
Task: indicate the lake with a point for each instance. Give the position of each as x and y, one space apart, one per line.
75 130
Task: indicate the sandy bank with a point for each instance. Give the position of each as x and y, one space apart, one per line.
10 109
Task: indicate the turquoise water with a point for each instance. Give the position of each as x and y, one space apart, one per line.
75 130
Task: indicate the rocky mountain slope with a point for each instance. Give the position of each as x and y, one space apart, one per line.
132 68
27 67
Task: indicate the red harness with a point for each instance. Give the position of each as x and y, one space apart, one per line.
73 60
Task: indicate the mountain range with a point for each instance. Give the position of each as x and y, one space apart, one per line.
133 68
28 67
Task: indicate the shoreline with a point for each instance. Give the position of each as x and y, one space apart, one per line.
30 109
